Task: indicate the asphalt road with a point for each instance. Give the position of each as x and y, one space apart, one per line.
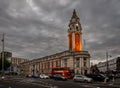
15 82
20 82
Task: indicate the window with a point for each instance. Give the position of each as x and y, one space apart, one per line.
85 59
59 63
65 62
77 62
77 28
84 64
77 71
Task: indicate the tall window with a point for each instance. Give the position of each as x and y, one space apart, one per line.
85 62
48 65
56 63
77 62
59 63
65 62
77 28
77 71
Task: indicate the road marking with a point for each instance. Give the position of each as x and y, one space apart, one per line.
9 87
54 87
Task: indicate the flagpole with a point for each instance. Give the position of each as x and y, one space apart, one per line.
84 44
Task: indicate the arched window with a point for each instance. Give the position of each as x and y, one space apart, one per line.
77 28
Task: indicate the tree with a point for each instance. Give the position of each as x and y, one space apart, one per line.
6 64
94 69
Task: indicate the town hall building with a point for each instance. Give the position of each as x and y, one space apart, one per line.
74 58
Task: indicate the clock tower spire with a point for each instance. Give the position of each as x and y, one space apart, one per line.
75 33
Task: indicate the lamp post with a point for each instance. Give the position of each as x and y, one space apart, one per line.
3 57
84 42
107 64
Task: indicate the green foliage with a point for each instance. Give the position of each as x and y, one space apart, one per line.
6 64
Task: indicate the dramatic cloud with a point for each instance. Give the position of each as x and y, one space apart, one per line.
36 28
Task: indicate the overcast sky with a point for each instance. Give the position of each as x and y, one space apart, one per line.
37 28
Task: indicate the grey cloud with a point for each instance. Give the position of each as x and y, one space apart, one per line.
36 28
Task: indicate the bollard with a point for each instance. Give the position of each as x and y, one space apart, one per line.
3 77
98 87
53 87
105 80
113 79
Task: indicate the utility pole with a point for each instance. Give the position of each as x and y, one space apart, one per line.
3 56
84 42
107 62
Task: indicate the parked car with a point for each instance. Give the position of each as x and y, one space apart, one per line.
3 77
117 75
43 76
98 77
81 78
110 76
35 76
59 77
51 76
28 75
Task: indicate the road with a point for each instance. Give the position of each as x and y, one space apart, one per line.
17 82
22 82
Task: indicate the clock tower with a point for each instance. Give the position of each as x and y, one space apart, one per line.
75 33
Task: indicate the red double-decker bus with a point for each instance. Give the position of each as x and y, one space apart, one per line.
65 71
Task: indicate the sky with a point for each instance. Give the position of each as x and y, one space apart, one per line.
37 28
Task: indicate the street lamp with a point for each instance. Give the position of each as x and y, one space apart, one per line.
107 64
3 57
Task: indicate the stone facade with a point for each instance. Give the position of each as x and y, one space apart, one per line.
15 62
7 55
78 61
113 64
